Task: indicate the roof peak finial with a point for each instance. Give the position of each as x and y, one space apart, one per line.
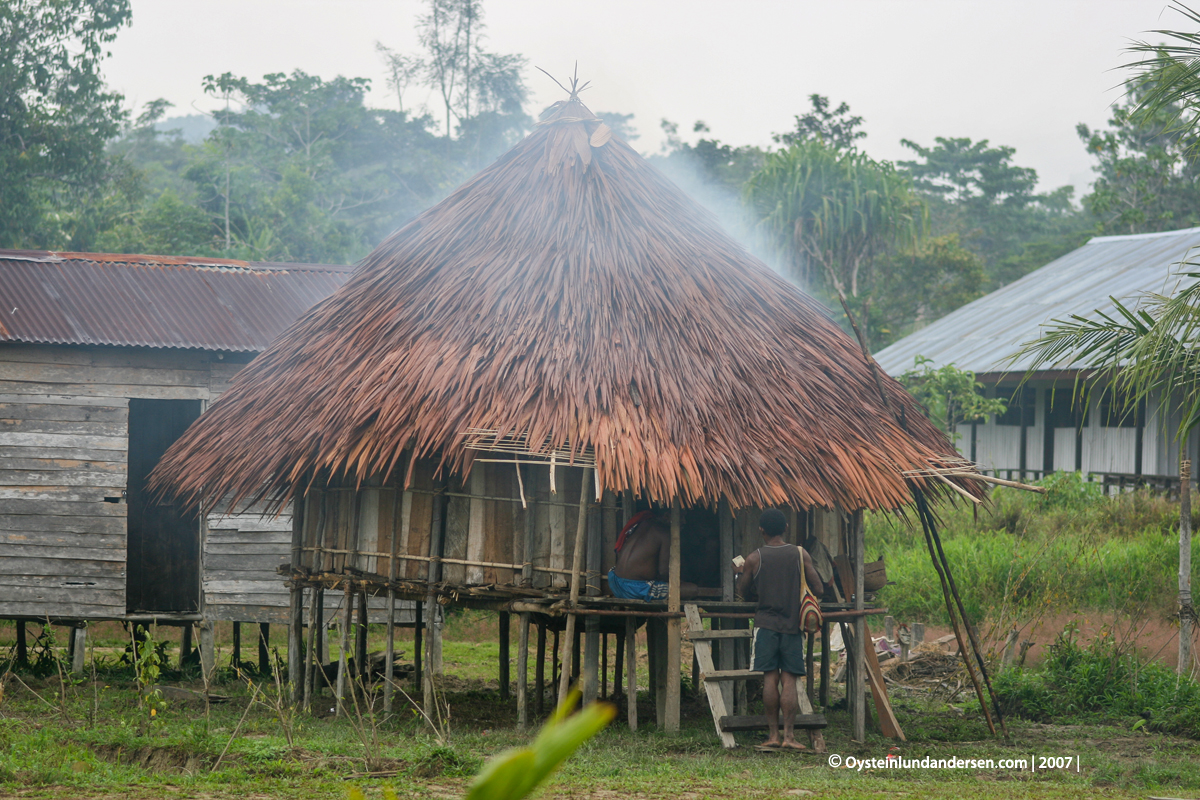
575 89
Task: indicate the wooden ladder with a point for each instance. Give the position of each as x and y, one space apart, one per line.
724 722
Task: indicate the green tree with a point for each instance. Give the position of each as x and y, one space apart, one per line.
837 128
951 395
833 213
56 115
1144 180
975 190
919 285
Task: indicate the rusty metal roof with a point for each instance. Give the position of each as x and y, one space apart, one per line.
155 301
985 334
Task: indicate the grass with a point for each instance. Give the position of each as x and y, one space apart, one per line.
46 753
1026 554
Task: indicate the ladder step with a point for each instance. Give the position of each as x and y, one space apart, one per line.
759 723
700 636
731 675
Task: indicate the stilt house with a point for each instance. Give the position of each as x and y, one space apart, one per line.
474 414
104 361
1047 426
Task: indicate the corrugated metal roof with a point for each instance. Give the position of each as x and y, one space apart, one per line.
982 335
155 301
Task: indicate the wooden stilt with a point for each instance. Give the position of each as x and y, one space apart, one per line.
504 657
208 651
618 687
310 656
523 671
362 672
418 637
860 631
591 660
295 650
78 648
555 665
539 668
696 674
237 645
674 627
604 666
185 646
576 647
436 536
343 647
576 566
389 648
725 649
826 659
264 641
652 662
631 672
660 673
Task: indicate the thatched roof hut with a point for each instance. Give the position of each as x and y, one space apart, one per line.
571 296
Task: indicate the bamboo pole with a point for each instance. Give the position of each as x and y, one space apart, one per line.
576 565
922 511
390 648
434 574
523 671
671 665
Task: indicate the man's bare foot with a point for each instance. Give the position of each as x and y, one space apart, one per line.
769 745
792 744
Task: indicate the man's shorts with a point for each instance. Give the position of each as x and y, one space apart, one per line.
636 590
773 650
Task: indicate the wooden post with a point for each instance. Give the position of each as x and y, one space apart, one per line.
576 567
22 645
185 647
604 666
618 686
264 641
860 632
78 648
295 648
523 670
504 676
362 670
310 658
208 652
539 668
724 649
631 671
889 629
591 651
418 635
826 656
343 646
674 629
237 645
436 532
555 665
389 648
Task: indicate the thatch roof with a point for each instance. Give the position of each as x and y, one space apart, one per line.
571 293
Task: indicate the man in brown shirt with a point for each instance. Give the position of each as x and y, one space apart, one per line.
778 650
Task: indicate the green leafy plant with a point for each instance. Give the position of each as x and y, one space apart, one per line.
148 658
515 773
951 395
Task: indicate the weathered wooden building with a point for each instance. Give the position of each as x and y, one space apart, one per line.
473 416
1045 428
104 361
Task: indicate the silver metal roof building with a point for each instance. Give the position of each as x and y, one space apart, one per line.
982 335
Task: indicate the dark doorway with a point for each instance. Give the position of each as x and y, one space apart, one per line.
162 572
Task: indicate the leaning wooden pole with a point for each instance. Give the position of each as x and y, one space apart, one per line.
564 683
433 576
923 513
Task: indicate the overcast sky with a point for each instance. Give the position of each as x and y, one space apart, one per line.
1017 73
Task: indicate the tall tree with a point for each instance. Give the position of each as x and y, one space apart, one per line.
1145 179
55 114
834 212
976 192
838 128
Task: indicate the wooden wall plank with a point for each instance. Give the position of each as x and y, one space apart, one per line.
558 528
64 412
39 508
477 530
109 392
458 521
30 524
62 478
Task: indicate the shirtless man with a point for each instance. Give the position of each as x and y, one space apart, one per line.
778 649
643 561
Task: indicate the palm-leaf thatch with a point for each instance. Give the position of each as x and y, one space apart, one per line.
572 294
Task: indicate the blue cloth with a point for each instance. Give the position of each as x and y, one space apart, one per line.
636 590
